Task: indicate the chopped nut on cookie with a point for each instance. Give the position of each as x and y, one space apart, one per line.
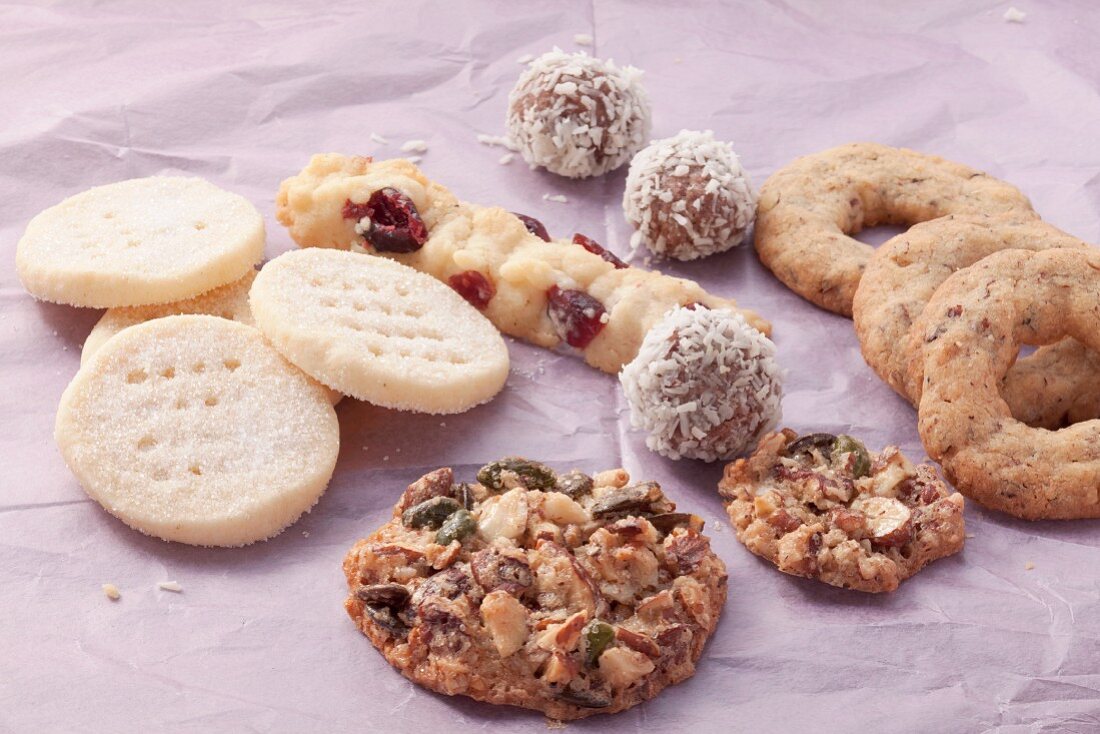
824 507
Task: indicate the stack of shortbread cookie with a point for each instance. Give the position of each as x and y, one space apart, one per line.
193 428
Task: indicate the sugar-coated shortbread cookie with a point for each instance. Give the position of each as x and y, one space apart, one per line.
140 242
192 429
972 330
1057 385
823 507
545 292
808 210
379 331
228 302
565 593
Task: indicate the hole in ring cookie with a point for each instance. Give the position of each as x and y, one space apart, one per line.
972 330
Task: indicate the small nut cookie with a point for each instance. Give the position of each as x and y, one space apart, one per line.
1058 385
972 329
379 331
823 507
554 592
140 242
193 429
808 210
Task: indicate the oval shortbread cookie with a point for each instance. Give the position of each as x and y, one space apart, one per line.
229 302
140 242
379 331
193 429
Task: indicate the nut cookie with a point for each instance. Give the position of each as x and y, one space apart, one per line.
808 210
193 429
140 242
565 593
972 329
823 507
1058 385
547 292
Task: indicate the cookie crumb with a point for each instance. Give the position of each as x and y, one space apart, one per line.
172 586
525 59
1029 566
555 197
386 458
112 592
506 158
582 39
305 533
379 139
969 536
414 146
554 723
1014 15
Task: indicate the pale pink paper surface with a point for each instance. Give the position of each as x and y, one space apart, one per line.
241 95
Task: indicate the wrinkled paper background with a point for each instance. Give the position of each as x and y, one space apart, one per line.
243 94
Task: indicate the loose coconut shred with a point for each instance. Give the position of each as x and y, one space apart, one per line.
576 115
705 385
688 197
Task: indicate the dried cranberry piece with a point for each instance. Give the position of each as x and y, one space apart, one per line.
597 249
534 226
395 224
474 287
577 316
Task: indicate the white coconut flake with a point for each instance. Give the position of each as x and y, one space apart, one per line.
704 385
576 115
525 59
582 39
379 139
173 586
496 140
414 146
688 197
413 159
559 198
506 159
1014 15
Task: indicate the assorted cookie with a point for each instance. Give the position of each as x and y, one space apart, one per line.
576 115
688 197
809 209
1057 385
193 429
972 329
379 331
824 507
139 242
705 385
566 593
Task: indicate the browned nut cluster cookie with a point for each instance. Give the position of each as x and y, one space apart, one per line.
566 593
1056 386
808 210
824 507
973 328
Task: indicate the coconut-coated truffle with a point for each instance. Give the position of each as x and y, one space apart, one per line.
705 385
576 115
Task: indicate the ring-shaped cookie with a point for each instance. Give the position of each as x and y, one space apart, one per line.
1056 386
972 328
809 209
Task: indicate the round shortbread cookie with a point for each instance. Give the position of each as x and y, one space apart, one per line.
140 242
379 331
193 429
229 302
